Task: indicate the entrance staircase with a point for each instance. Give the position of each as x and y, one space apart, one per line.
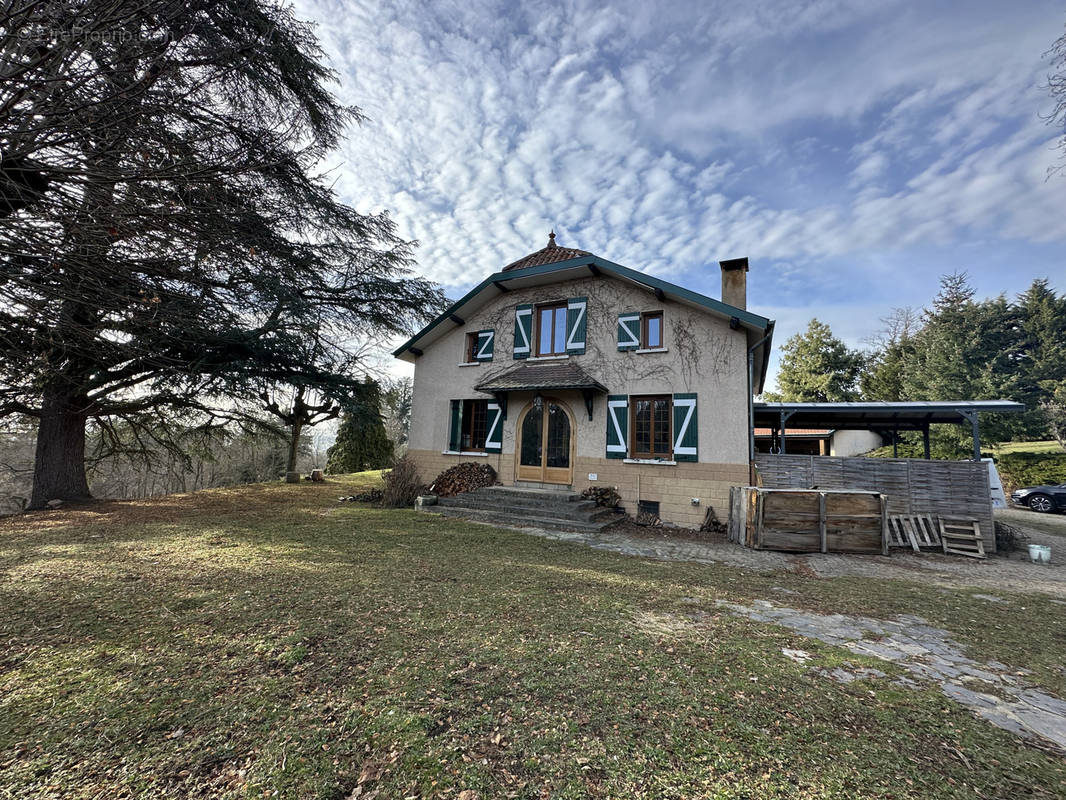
527 507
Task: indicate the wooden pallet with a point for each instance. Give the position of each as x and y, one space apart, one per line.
914 530
962 537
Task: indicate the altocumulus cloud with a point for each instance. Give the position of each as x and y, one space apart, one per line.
854 150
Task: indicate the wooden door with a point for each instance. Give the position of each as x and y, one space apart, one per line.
545 443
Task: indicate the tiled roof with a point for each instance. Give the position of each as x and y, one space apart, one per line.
547 255
550 375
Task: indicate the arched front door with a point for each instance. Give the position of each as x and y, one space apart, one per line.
545 442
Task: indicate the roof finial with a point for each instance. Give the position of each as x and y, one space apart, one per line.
551 239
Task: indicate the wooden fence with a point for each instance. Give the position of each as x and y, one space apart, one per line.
912 486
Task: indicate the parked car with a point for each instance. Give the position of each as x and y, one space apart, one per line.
1041 498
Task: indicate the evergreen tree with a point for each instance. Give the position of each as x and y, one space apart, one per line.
818 367
883 375
966 350
362 442
164 240
1042 362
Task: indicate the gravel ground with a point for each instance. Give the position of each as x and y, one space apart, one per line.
1003 572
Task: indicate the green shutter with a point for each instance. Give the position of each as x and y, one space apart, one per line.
455 427
523 331
576 322
617 425
486 341
494 429
686 446
629 331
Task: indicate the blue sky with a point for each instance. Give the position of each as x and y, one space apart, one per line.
853 151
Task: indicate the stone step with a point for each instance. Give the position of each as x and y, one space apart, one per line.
540 495
585 509
522 520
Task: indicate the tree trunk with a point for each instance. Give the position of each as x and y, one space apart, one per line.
294 447
59 464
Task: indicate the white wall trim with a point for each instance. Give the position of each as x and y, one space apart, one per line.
654 461
652 350
465 453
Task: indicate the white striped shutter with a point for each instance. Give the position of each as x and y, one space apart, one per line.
628 331
686 446
494 436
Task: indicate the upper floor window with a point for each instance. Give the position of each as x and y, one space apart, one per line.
551 329
641 330
651 330
470 354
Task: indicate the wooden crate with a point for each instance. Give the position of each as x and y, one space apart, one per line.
809 520
912 486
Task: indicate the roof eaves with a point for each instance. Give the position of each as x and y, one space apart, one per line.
745 317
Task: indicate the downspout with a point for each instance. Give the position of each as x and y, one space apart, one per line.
751 405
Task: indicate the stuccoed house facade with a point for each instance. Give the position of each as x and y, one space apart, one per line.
564 369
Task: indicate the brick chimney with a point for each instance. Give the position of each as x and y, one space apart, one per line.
735 282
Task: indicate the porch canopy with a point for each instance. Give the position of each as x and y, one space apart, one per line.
880 417
543 377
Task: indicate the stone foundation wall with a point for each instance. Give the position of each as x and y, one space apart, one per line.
672 486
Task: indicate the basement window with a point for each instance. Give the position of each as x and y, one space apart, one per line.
648 507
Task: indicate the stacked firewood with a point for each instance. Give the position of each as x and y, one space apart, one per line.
461 478
647 520
369 496
603 495
711 523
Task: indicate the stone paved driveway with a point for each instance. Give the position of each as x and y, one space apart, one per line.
928 654
997 573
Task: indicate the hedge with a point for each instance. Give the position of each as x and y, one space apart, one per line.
1031 469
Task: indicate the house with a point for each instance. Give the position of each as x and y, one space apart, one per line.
564 369
818 441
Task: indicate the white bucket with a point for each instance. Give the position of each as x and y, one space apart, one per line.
1040 554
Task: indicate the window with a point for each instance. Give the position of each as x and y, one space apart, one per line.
651 330
648 507
651 427
551 330
474 424
470 356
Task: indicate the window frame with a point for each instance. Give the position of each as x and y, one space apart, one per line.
467 422
470 354
632 444
556 307
644 317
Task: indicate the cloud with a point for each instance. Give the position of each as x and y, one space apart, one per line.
810 137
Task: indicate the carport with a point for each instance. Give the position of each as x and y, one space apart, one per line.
887 418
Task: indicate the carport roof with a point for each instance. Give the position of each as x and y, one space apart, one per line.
910 415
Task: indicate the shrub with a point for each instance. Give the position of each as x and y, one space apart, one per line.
1031 469
402 484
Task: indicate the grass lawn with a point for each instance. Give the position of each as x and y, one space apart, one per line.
271 642
1026 447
